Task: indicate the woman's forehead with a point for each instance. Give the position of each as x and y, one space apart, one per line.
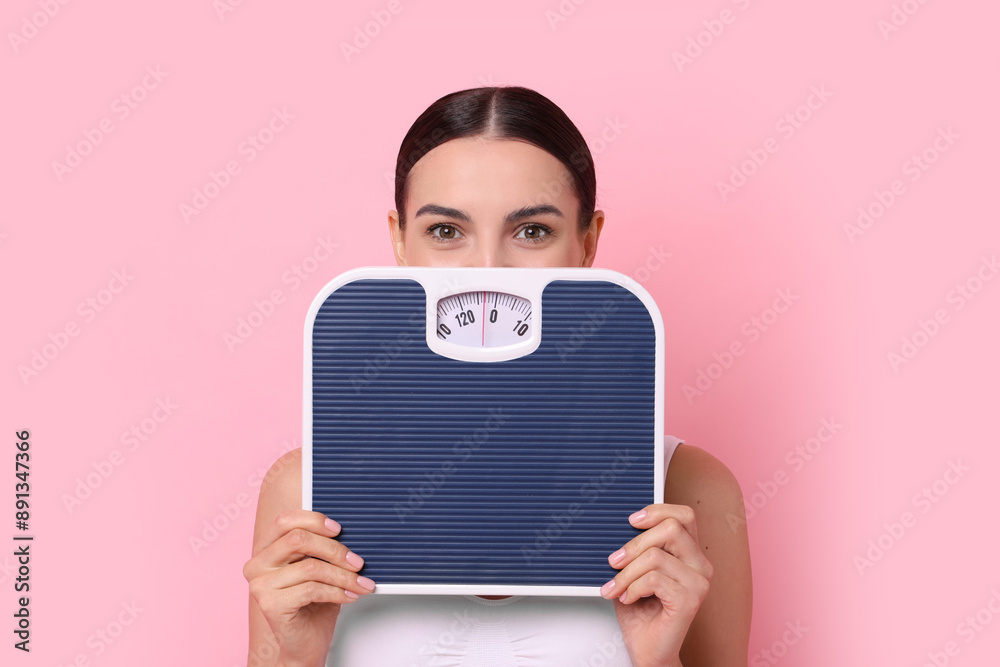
473 168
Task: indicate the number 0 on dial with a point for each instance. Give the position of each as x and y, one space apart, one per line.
483 319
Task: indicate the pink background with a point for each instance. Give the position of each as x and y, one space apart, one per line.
671 133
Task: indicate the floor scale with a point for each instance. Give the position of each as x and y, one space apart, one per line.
483 430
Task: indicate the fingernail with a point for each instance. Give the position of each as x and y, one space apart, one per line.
617 556
366 583
351 594
621 598
638 516
332 525
354 559
606 588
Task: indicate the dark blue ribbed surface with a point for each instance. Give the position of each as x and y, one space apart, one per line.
445 471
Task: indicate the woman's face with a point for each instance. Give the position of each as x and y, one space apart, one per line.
489 202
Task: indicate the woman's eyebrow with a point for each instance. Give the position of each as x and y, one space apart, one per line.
531 212
434 209
512 217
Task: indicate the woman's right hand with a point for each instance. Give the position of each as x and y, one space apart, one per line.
299 576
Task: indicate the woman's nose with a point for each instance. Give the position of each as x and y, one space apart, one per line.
488 256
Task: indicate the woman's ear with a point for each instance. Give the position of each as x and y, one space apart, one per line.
396 235
591 237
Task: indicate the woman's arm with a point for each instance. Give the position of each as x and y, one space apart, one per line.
299 575
719 635
683 592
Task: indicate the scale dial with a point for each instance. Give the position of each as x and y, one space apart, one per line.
484 319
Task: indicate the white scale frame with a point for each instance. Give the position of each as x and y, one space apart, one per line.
440 283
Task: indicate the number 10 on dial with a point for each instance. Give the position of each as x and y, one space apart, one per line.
483 319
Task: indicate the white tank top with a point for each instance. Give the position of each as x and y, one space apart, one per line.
469 631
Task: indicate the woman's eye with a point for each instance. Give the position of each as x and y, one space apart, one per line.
533 232
443 232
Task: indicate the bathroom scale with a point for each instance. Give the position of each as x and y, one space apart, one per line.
483 430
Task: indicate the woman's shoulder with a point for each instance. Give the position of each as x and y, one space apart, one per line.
287 465
695 473
285 475
693 468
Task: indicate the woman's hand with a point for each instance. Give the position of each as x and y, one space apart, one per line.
299 576
663 580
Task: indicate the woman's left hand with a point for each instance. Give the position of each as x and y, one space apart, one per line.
663 580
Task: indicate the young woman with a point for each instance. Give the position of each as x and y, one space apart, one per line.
500 176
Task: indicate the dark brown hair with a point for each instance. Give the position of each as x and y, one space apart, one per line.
500 112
